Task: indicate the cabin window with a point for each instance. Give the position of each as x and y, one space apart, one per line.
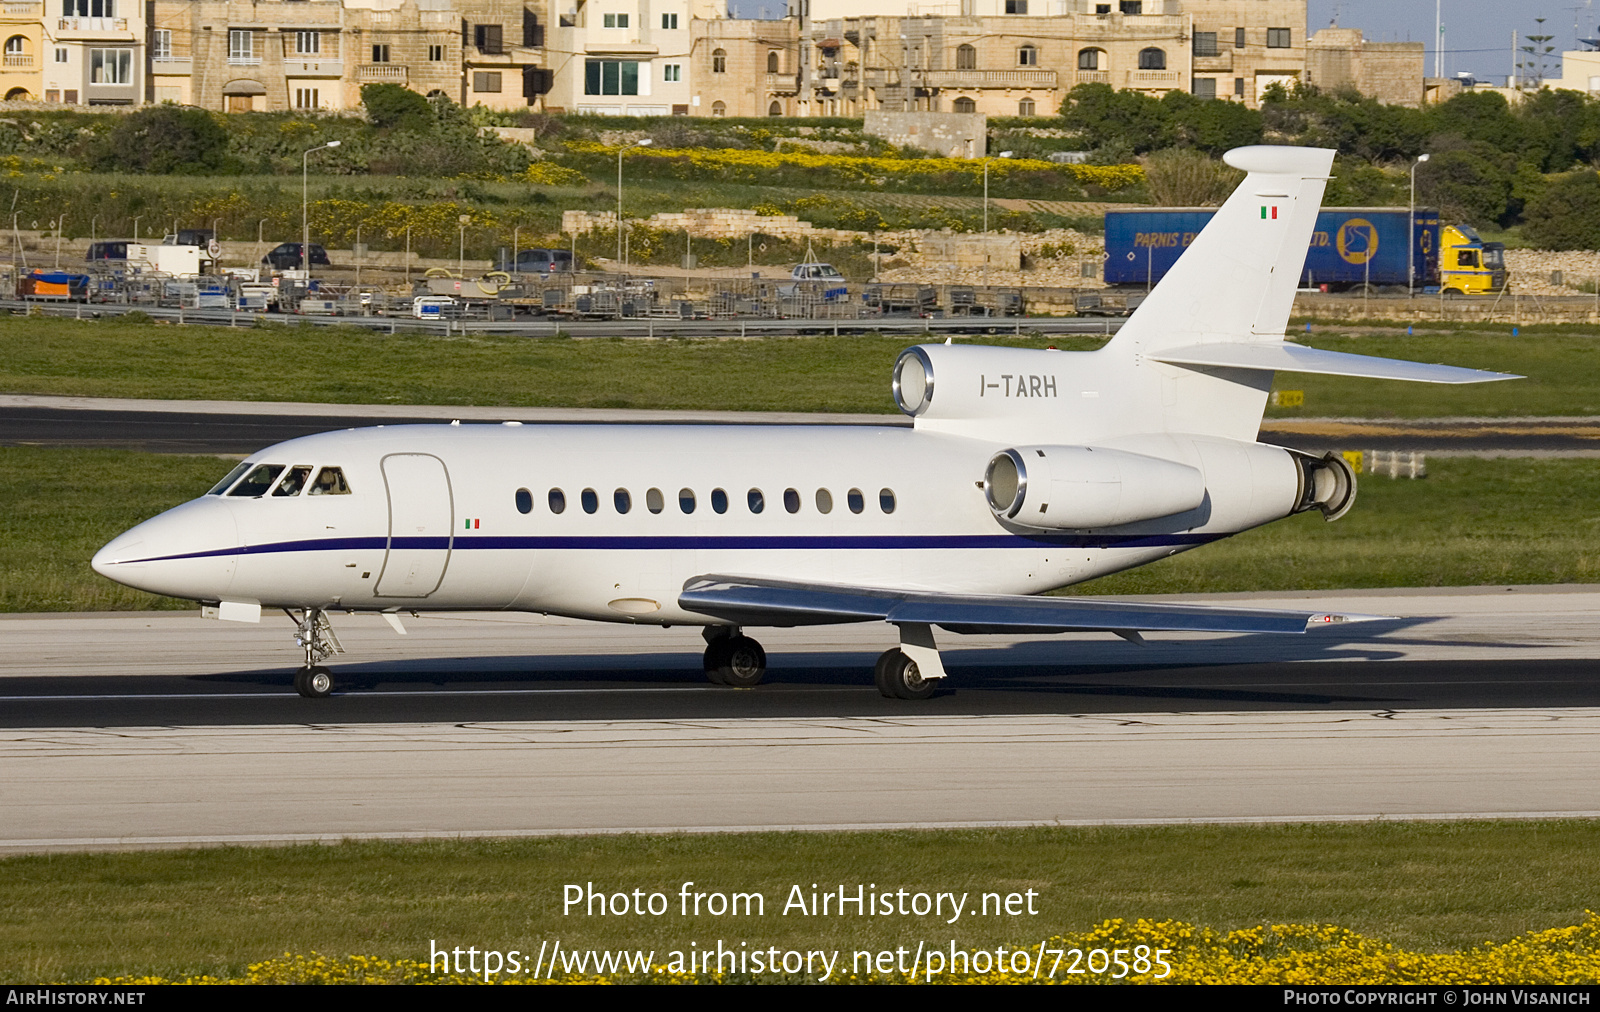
791 500
686 499
653 501
558 501
719 500
824 501
525 501
258 481
330 481
591 501
857 501
233 476
622 500
886 499
757 501
294 481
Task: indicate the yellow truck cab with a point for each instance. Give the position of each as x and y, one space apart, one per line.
1467 264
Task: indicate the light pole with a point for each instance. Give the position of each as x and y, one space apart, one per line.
261 244
305 218
642 143
516 235
1411 224
461 262
1003 154
92 222
59 221
136 226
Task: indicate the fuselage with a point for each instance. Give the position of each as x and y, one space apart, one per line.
608 521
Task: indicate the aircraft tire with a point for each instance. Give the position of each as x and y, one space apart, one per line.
314 682
715 659
743 663
904 679
880 672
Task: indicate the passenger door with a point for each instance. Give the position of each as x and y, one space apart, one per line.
421 525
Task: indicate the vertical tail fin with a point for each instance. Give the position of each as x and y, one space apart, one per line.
1236 281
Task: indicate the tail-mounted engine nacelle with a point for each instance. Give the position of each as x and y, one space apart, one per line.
1086 486
1327 483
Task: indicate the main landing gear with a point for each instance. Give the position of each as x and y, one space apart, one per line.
733 658
314 633
898 677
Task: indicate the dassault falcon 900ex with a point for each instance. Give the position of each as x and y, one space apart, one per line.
1023 471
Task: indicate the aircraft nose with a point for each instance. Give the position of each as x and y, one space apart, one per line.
188 551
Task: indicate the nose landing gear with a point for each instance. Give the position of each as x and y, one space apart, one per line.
314 633
733 659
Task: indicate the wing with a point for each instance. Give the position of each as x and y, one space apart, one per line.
756 601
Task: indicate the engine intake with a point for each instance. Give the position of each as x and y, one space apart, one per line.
1327 483
1075 487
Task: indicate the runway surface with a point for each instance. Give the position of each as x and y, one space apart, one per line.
243 427
166 729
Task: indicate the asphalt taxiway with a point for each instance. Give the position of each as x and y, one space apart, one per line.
165 729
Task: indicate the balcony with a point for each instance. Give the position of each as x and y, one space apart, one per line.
783 84
1094 77
313 68
23 10
1220 63
93 27
1153 79
168 65
244 61
19 61
383 73
983 78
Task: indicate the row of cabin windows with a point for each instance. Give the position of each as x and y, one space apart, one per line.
655 502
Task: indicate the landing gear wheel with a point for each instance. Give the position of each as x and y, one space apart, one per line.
880 672
741 662
314 682
900 674
715 658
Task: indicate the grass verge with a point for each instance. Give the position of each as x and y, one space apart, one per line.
1471 522
1426 886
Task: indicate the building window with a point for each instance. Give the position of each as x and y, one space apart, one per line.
1016 6
610 77
306 98
110 66
241 47
488 39
1277 38
1089 59
616 21
307 43
672 72
436 54
52 95
1102 8
1131 6
1238 38
719 61
161 44
1205 43
719 108
486 81
966 57
775 109
964 104
16 46
1152 59
70 96
669 21
1204 87
772 61
1025 107
61 54
89 8
1238 86
1027 56
380 52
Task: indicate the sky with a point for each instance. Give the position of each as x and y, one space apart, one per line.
1477 32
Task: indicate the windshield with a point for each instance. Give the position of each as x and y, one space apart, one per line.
233 476
1494 258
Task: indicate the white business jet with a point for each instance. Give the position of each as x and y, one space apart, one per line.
1023 471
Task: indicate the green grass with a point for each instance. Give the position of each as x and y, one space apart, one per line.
1432 886
1471 522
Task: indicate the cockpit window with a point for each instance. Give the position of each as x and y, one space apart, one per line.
330 481
294 481
258 481
233 476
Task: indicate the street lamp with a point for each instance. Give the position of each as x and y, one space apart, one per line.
136 226
642 143
305 218
1003 154
1411 224
461 262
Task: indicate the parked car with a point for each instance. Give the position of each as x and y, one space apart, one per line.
286 256
538 261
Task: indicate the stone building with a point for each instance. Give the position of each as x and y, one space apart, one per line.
22 69
1391 72
91 53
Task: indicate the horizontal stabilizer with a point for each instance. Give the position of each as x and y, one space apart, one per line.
754 601
1284 357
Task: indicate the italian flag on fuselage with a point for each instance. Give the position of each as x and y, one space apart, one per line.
1273 208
